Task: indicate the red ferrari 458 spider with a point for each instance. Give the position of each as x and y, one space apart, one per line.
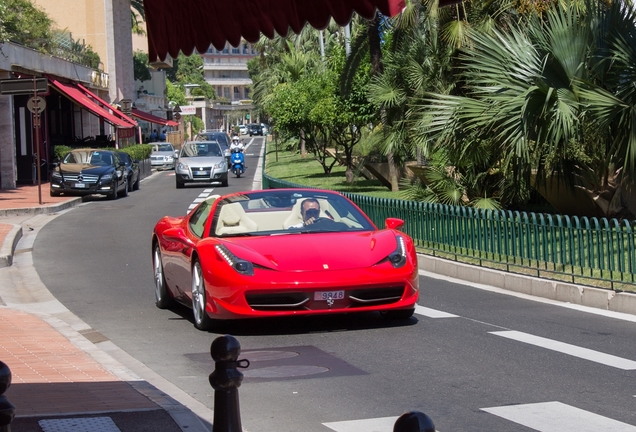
282 252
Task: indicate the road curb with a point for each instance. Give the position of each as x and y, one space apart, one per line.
52 208
8 246
551 289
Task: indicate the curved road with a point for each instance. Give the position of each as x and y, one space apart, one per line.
473 359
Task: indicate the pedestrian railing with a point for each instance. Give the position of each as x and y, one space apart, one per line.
593 251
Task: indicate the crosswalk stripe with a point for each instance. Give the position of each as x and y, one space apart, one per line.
384 424
558 417
573 350
432 313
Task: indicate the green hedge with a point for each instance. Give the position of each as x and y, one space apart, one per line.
137 151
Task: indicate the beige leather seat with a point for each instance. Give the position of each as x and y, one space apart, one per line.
233 220
295 217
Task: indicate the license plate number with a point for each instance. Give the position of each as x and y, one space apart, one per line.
200 172
326 295
80 185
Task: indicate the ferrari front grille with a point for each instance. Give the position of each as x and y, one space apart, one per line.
354 298
277 301
375 296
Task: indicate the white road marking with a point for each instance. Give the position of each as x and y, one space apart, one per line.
558 417
202 197
573 350
432 313
581 308
384 424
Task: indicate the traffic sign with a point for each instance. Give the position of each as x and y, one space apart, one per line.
41 104
23 86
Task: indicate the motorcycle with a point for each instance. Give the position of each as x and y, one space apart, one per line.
237 161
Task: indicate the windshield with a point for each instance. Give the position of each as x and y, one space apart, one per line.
205 149
89 157
280 212
162 148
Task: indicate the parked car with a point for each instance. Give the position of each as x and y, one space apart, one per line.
89 172
243 129
241 256
255 129
221 137
132 167
201 161
265 129
163 155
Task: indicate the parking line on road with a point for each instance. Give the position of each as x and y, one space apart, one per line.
558 417
384 424
432 313
573 350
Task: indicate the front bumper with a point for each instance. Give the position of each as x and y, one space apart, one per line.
86 188
270 293
201 174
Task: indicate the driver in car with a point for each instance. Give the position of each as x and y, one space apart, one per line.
310 211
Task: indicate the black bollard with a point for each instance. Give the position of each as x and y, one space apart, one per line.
7 411
225 380
414 421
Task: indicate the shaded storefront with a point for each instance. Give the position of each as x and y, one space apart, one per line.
73 117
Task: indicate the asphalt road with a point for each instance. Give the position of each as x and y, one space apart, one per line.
467 369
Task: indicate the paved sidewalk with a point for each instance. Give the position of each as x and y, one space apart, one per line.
64 376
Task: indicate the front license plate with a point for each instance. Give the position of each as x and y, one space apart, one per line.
200 172
326 295
80 185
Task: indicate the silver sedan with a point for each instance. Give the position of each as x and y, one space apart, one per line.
201 161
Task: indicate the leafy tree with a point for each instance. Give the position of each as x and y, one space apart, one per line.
24 23
141 67
137 16
189 70
552 95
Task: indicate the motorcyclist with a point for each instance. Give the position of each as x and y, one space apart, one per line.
236 143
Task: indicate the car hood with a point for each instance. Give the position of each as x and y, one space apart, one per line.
315 251
75 168
201 160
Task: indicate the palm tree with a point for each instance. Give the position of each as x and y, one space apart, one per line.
552 95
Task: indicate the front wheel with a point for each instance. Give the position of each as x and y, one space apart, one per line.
202 320
162 296
55 194
124 193
180 184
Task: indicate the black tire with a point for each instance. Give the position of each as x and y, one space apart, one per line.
124 193
400 314
180 184
224 182
136 184
113 194
162 295
55 194
202 320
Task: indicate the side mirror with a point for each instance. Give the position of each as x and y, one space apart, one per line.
394 223
177 235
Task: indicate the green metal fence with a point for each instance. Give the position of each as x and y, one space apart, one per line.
593 251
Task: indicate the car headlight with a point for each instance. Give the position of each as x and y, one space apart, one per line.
240 265
219 165
182 166
398 257
107 177
56 175
169 158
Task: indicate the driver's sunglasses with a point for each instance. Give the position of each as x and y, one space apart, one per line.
312 213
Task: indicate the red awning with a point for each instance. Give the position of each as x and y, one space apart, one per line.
79 96
153 118
174 27
106 105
